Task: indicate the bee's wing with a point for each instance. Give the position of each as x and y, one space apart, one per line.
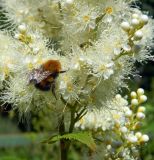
43 76
37 75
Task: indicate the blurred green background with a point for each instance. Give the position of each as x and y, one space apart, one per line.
21 140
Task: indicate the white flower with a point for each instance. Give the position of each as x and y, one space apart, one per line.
103 119
132 138
106 70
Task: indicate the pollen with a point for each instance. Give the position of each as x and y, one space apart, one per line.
30 66
102 68
109 10
70 87
66 79
86 18
116 116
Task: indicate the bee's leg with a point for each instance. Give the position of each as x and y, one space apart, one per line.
62 71
53 86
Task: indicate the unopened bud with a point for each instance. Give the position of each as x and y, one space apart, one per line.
134 102
138 35
22 28
125 26
143 98
140 115
144 19
135 22
145 138
133 95
140 91
141 109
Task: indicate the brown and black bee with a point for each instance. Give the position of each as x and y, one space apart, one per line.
44 77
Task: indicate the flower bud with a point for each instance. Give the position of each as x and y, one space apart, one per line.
138 135
17 36
141 109
144 19
127 48
123 129
125 26
138 35
135 15
135 22
128 113
145 138
134 102
140 115
133 95
132 139
140 91
22 28
143 98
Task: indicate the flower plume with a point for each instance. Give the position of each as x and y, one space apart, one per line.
96 43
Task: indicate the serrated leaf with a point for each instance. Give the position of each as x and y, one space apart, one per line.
83 137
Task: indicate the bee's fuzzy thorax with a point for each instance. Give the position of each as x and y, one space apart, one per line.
52 66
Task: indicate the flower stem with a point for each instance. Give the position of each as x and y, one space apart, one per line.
63 149
63 142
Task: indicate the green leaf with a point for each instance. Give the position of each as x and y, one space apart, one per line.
83 137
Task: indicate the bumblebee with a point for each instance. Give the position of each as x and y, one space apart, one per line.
44 78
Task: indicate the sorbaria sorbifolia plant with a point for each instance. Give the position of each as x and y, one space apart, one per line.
73 56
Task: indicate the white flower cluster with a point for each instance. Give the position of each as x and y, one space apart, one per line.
116 113
118 127
128 138
96 43
104 119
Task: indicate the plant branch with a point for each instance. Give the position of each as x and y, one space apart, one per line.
63 142
72 123
76 114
